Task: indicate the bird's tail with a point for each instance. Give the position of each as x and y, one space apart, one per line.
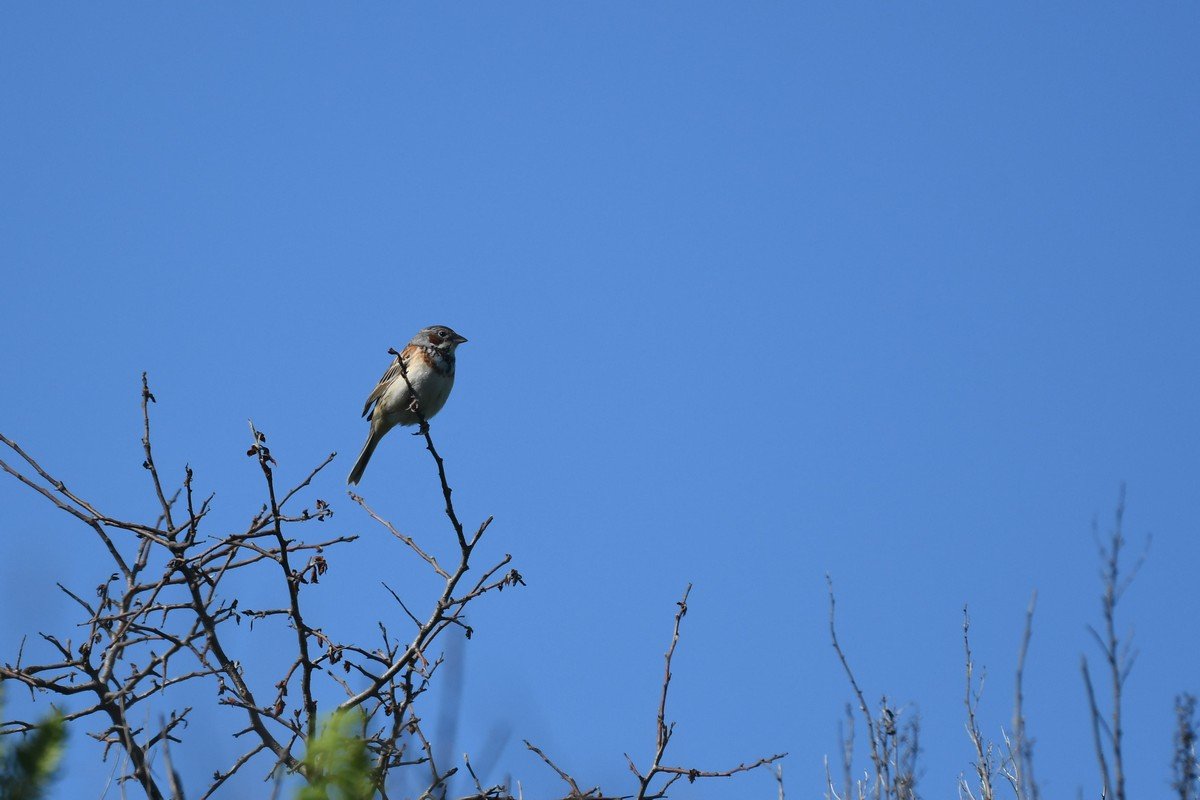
363 457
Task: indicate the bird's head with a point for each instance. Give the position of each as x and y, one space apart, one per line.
439 337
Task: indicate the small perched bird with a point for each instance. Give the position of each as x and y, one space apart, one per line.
428 359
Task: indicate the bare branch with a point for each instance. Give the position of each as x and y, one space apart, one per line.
862 701
1019 770
984 763
408 540
575 792
148 398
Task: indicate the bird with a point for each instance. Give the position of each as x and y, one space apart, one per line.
428 360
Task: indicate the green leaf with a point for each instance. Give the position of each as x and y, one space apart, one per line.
26 771
337 764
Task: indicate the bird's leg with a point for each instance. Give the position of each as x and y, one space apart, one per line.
415 407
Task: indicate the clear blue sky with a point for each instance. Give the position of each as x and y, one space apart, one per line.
754 292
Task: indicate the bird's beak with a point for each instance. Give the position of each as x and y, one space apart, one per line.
459 338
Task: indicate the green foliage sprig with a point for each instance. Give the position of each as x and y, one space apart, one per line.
28 768
337 763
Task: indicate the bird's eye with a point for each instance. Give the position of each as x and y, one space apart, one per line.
445 334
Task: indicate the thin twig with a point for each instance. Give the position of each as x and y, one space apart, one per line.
876 760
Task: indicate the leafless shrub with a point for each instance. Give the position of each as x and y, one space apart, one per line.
160 620
646 777
893 767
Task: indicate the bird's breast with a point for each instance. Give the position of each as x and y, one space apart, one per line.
432 388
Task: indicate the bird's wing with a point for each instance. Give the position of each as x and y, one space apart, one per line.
392 374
